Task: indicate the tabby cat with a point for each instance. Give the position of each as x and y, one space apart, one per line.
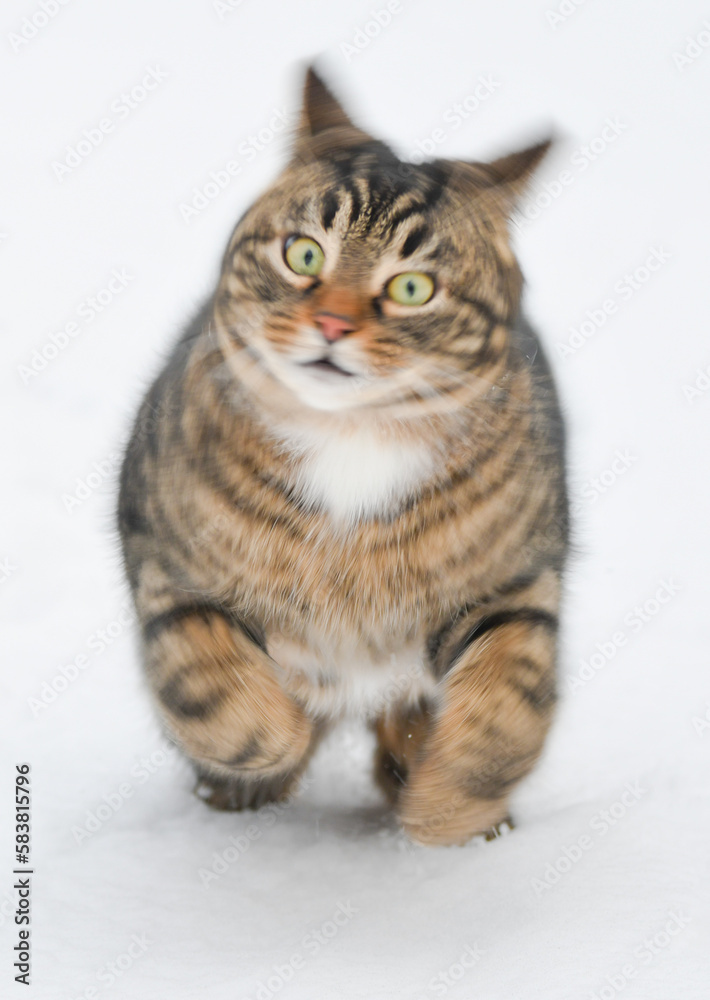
345 492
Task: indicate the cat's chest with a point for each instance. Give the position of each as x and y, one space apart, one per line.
336 676
355 472
351 641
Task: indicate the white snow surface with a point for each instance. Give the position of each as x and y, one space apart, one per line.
125 910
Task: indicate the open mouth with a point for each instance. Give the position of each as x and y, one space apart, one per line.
327 366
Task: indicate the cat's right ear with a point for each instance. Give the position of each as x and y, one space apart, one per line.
324 126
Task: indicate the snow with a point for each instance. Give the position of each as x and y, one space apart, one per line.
617 816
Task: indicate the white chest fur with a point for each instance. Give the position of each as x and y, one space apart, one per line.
336 678
356 471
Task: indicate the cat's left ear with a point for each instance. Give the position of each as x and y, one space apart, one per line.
508 176
515 170
324 126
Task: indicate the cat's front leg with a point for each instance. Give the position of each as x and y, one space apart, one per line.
220 701
399 732
496 705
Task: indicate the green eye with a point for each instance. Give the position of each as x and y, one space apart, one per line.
413 288
303 255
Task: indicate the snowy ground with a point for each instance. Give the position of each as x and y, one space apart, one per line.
603 888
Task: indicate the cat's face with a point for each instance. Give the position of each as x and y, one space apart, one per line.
360 281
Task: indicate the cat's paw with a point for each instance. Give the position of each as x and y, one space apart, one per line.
435 809
235 794
258 734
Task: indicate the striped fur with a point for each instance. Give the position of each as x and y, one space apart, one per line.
386 539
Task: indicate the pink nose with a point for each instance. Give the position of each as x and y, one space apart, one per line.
332 326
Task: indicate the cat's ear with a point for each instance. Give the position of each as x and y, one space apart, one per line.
508 177
324 126
514 171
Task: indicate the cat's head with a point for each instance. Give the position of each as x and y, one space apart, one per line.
359 281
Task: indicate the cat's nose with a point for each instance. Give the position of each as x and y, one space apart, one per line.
334 326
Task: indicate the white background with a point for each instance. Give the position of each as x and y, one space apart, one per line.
640 718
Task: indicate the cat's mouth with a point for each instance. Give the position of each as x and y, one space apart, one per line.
327 367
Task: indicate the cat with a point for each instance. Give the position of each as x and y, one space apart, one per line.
345 492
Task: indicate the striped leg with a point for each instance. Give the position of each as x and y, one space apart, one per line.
221 702
399 734
497 699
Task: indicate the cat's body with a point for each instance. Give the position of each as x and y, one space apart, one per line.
382 535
